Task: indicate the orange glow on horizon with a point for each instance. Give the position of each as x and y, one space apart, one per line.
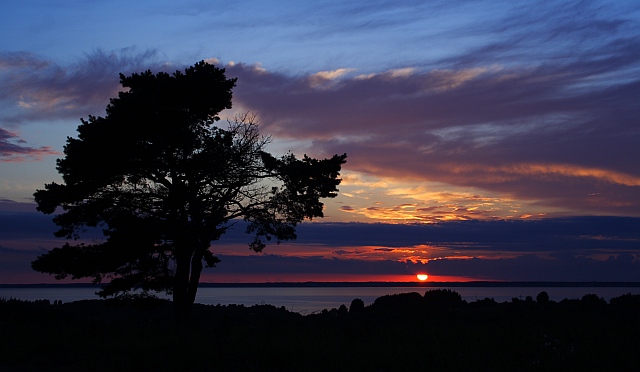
324 278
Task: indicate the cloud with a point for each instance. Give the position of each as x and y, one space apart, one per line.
325 79
35 88
551 169
522 268
529 104
21 225
579 235
533 268
14 149
562 249
558 130
18 224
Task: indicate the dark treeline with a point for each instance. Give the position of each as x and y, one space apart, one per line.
436 331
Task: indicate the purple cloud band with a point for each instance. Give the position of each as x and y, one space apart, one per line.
560 134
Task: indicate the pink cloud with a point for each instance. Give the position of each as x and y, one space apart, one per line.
14 149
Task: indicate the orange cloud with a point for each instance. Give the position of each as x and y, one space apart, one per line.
401 201
322 78
512 172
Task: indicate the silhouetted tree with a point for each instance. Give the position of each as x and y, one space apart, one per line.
398 305
443 298
593 301
626 300
356 307
542 297
163 182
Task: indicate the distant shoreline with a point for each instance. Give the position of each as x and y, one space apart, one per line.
363 284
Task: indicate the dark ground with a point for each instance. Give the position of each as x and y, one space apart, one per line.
437 331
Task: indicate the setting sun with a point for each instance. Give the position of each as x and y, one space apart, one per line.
422 277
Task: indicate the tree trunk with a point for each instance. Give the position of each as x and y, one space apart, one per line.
188 270
194 280
181 304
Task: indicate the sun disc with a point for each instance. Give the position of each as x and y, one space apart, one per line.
422 277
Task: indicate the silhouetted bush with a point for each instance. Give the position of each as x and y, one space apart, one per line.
485 302
398 304
542 297
443 298
626 300
592 300
356 307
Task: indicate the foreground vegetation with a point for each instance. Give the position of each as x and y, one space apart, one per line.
438 331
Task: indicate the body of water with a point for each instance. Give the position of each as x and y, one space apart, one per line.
306 300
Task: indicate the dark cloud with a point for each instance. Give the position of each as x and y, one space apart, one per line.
267 263
21 222
574 235
522 268
34 88
533 268
27 226
16 263
567 249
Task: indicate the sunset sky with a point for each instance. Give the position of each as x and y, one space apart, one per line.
486 140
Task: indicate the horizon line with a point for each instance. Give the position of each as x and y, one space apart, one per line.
475 283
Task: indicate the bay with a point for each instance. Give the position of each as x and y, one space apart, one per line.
307 300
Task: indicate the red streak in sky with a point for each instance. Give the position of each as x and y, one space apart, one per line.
301 278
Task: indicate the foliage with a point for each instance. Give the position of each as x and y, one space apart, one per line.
542 297
126 335
356 307
443 297
163 181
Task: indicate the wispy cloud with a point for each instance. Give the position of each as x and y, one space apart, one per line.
15 149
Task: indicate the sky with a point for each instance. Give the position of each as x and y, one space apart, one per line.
486 140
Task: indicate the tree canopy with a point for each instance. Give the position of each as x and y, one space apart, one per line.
163 181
